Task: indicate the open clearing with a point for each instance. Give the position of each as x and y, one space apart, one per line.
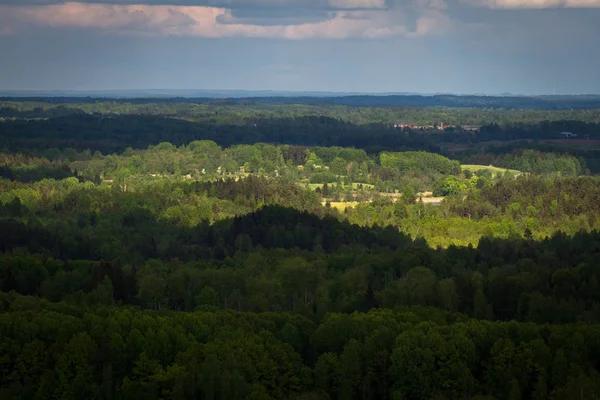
341 205
355 185
432 200
493 170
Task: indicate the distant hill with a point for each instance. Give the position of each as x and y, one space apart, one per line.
538 102
179 93
188 93
314 98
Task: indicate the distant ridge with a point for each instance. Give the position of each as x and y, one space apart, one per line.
547 102
185 93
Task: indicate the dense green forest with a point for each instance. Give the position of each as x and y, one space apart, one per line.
112 126
258 250
240 111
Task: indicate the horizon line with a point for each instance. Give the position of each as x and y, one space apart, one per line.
292 93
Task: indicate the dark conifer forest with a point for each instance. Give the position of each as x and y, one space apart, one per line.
300 248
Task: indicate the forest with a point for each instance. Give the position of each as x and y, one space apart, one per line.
261 250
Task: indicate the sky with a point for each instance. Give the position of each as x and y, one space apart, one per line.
422 46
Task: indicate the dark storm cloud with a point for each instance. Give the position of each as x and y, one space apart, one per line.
274 16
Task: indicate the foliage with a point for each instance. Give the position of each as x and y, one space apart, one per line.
201 257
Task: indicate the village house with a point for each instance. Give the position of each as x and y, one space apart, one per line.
568 134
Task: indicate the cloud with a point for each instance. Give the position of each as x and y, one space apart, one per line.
100 16
357 4
534 4
274 16
216 22
432 23
327 4
6 31
230 4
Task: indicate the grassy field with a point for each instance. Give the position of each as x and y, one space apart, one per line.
341 205
432 199
313 186
493 170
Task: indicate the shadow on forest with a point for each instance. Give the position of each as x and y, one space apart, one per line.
135 235
122 245
113 134
141 235
37 173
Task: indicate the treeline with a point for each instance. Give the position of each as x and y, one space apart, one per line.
540 130
587 156
504 102
532 162
205 160
115 134
420 161
110 134
23 168
349 172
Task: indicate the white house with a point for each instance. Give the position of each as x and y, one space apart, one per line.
568 134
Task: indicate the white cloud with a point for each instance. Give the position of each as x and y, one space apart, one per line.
534 4
432 23
202 21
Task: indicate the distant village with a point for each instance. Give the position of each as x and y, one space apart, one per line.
440 127
465 128
568 134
